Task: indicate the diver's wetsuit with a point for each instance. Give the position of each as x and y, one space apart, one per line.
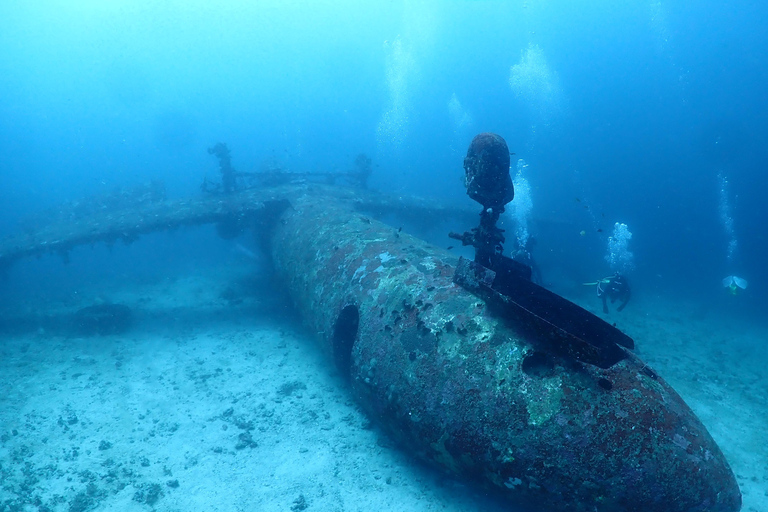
616 288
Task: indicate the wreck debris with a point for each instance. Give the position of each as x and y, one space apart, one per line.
73 225
455 383
473 393
103 204
275 175
559 325
228 175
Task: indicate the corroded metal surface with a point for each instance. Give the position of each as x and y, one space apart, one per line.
128 222
119 220
480 399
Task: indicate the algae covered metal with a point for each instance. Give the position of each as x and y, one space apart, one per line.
478 395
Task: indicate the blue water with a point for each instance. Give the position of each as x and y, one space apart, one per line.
624 112
646 114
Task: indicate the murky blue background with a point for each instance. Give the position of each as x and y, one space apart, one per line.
649 113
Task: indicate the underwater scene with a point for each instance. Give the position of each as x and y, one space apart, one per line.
340 256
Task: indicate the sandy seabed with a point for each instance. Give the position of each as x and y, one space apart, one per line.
217 400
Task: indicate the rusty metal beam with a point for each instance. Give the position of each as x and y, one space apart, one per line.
478 396
127 222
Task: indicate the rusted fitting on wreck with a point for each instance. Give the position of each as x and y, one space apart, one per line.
486 170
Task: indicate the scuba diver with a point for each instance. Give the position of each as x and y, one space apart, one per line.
615 288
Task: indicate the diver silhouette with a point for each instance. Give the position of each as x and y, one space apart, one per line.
615 288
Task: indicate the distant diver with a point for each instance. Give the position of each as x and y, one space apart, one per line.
735 284
615 288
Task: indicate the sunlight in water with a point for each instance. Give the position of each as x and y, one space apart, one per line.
536 84
619 256
522 204
462 123
724 208
393 126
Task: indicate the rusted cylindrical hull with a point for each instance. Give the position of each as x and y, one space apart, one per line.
474 396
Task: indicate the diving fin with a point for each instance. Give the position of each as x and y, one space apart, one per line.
735 281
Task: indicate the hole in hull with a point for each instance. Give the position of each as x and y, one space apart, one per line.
344 336
538 364
605 384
